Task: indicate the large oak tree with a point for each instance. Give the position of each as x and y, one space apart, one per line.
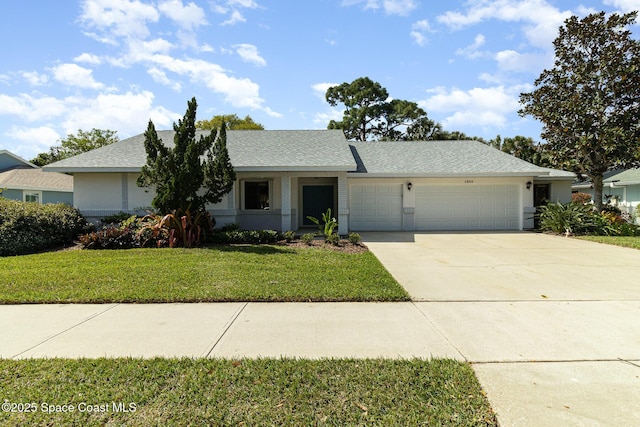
231 122
589 102
75 144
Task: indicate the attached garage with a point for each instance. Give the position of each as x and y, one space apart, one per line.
375 207
467 207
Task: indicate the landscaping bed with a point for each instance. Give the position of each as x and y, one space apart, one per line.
284 392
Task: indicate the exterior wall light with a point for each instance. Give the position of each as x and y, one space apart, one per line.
529 185
409 185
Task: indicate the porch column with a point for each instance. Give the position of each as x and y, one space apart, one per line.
343 210
285 191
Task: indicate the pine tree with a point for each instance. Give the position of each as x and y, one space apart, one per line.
181 179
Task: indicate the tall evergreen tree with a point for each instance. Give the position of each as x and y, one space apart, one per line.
179 176
589 102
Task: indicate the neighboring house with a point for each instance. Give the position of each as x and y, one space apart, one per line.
22 180
285 176
620 188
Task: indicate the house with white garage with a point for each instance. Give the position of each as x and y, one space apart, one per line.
621 188
24 181
285 176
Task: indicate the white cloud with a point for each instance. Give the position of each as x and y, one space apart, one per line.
233 8
399 7
188 17
126 113
543 19
122 18
320 89
106 112
473 50
160 76
624 5
324 118
32 140
249 53
475 107
241 93
88 58
512 61
34 78
390 7
75 75
31 108
419 30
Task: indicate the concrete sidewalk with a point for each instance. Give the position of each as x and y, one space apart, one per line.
307 330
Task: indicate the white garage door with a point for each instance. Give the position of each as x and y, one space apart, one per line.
467 207
375 207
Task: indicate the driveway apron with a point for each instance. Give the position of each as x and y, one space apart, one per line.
550 324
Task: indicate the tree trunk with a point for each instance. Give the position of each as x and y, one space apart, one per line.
596 179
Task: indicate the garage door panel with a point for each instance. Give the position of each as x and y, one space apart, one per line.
467 207
375 207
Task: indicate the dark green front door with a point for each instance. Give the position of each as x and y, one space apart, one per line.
316 199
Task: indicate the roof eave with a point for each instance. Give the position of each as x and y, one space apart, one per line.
35 188
97 169
294 168
446 175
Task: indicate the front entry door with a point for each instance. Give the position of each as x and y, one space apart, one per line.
316 199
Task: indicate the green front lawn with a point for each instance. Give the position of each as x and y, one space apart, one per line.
233 273
626 241
244 392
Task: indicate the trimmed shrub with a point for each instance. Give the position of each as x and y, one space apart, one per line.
308 238
581 198
289 236
115 218
332 239
245 237
110 238
30 227
355 238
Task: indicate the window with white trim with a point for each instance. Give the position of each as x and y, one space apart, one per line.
256 195
32 196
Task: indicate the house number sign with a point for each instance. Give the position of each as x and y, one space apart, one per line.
468 181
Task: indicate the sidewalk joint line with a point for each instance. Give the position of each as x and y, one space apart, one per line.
439 331
629 362
233 319
83 321
517 362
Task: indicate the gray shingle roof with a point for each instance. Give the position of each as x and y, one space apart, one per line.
628 177
325 150
441 159
291 150
35 179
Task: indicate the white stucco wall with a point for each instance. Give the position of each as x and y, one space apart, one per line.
97 191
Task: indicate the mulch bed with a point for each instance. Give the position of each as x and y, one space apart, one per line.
343 246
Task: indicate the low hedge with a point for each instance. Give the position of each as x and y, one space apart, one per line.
30 227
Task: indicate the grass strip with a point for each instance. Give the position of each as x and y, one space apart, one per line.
288 392
625 241
221 274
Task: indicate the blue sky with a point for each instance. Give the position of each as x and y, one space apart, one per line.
115 64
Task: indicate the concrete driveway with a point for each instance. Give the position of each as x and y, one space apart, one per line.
551 325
